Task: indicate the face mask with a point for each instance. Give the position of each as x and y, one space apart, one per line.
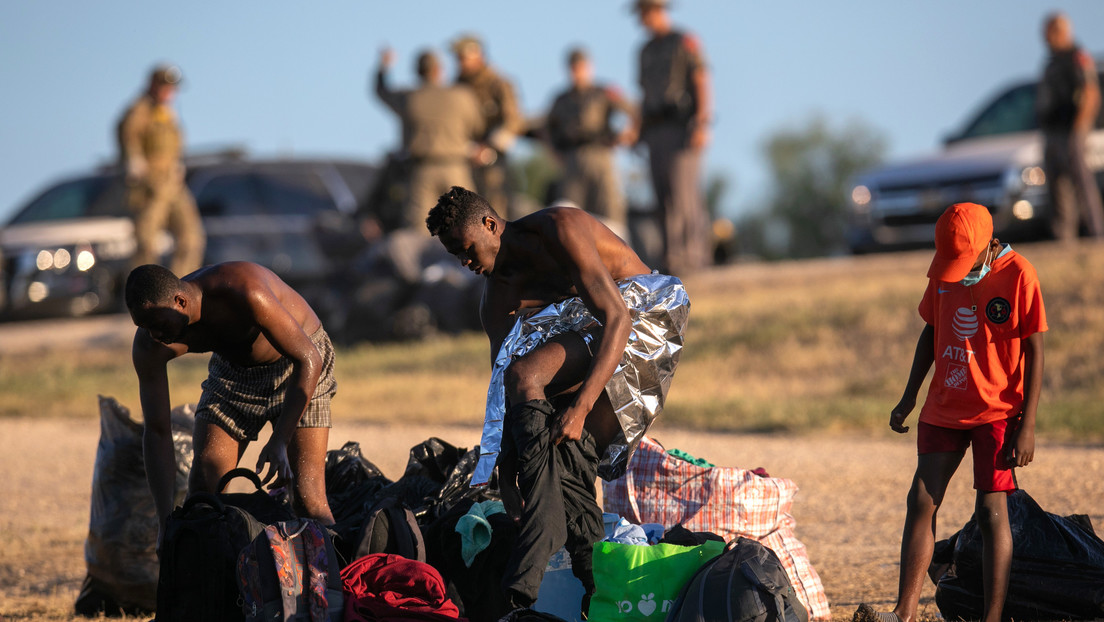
973 277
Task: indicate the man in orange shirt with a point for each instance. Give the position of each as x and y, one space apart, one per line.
984 322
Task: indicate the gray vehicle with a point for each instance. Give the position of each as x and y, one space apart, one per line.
68 251
996 160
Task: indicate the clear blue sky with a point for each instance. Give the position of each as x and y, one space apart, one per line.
291 77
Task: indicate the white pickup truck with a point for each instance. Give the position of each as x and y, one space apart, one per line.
997 161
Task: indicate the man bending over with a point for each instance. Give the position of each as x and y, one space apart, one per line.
584 339
271 362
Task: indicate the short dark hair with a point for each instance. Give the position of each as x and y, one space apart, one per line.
150 285
575 56
459 207
427 63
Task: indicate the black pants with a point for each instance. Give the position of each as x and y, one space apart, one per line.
556 483
1074 195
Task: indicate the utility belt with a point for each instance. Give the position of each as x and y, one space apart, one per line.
668 114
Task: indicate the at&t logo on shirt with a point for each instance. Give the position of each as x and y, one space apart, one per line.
964 324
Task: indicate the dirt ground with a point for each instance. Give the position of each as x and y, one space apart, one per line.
849 509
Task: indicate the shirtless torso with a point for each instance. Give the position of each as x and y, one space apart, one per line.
549 256
247 315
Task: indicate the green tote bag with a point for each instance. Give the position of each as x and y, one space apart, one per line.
640 583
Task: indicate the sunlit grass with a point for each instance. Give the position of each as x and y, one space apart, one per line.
799 347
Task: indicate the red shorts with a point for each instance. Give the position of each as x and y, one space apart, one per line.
992 473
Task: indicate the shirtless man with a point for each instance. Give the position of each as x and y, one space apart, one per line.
271 361
559 419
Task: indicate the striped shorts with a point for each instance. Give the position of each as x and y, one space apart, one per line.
241 400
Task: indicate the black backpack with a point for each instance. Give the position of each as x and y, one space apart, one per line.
390 527
200 548
745 583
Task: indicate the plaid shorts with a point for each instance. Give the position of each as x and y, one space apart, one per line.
241 400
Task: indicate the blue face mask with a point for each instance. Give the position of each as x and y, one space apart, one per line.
973 277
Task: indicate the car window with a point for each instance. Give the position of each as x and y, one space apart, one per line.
294 192
81 198
359 178
231 194
1013 111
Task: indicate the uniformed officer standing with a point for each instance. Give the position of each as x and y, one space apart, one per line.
502 117
1067 102
580 129
675 117
440 127
150 146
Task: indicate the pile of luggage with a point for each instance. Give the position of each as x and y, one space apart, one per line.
427 546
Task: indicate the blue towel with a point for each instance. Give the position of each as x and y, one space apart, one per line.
475 530
625 532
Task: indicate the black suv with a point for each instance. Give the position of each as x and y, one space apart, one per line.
317 223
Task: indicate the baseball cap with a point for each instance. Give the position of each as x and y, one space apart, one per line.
465 43
961 233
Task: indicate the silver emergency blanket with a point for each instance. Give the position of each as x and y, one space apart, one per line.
659 307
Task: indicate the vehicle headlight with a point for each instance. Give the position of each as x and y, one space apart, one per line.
1026 177
1033 176
85 260
860 198
62 259
44 260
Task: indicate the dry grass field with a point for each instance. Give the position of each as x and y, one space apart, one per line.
790 366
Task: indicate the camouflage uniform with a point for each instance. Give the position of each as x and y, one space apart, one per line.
502 124
1070 182
579 128
150 143
439 125
667 66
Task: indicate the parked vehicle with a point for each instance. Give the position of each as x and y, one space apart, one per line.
996 160
68 251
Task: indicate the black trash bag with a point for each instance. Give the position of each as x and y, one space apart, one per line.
120 549
450 469
457 487
1057 568
352 486
347 469
434 459
416 491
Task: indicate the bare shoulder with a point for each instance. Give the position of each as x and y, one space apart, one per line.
240 277
584 239
563 220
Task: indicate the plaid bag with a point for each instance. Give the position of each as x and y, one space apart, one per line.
730 502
